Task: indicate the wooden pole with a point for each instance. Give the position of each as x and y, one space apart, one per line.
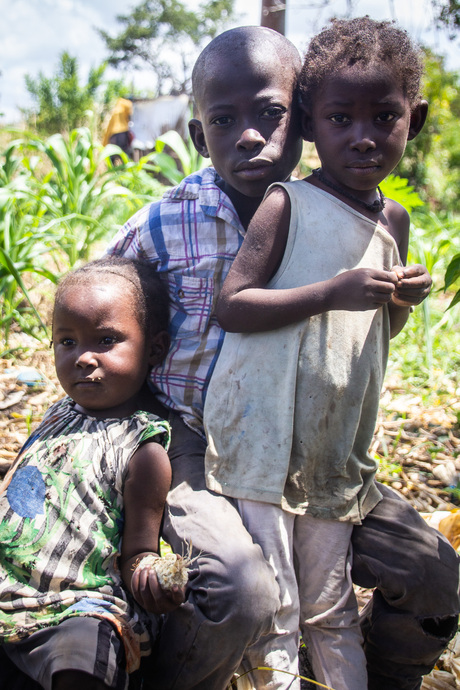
274 15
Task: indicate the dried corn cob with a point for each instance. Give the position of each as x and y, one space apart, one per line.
170 569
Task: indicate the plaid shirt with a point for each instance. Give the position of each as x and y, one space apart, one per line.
190 236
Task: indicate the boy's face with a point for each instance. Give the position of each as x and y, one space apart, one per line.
248 124
360 123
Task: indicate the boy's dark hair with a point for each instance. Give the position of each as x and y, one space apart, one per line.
150 294
346 42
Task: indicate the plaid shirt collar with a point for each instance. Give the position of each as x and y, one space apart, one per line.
203 186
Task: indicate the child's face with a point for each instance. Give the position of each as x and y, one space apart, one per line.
248 125
101 353
360 123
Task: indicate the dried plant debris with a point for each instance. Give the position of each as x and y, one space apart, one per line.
171 569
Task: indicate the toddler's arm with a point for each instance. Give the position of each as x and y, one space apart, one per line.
245 305
144 496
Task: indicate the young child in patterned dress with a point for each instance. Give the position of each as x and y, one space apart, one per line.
83 502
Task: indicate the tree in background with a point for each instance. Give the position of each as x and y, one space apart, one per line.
448 13
166 36
432 161
62 103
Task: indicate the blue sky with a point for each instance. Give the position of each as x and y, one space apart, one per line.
33 33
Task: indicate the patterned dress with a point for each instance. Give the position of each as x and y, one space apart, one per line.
61 523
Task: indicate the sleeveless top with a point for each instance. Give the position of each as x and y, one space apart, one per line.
61 523
290 413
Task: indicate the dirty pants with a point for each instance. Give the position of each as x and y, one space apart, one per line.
232 596
311 558
414 610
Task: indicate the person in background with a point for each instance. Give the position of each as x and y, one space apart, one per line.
118 131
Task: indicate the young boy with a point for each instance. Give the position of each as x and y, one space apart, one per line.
248 123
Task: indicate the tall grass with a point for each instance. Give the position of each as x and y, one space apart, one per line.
58 198
426 354
22 243
429 342
80 190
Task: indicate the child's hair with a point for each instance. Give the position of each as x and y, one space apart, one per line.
244 42
149 292
346 42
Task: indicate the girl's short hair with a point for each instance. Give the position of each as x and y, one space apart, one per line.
149 292
346 42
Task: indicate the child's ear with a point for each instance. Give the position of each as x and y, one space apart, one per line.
306 123
417 119
197 136
159 347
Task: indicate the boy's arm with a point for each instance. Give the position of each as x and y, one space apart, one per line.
144 495
245 305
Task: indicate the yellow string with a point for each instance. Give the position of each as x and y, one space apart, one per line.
295 675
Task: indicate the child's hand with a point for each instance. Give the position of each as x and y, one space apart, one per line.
414 284
151 596
363 288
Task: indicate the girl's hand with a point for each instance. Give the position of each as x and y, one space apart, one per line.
413 286
148 592
363 288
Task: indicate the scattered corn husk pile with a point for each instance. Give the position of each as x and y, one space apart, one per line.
447 676
418 447
27 389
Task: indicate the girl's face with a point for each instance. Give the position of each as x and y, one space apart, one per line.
101 353
360 121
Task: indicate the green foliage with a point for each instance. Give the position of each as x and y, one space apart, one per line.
427 247
451 277
157 31
432 160
398 188
58 199
62 104
78 190
448 14
425 353
22 244
185 153
433 239
82 190
429 342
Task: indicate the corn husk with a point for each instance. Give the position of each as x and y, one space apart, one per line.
170 569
